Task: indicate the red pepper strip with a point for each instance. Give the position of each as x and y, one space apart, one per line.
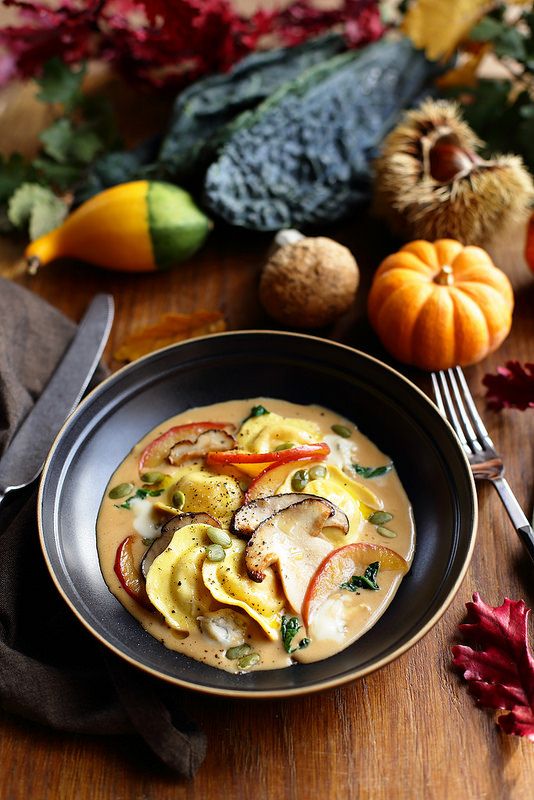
128 574
318 450
158 449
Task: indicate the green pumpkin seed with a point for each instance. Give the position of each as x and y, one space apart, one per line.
121 490
215 553
238 651
218 536
249 661
386 532
317 472
380 518
342 430
299 480
152 477
178 499
284 446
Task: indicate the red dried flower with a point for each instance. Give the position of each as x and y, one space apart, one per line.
500 671
512 387
165 41
68 31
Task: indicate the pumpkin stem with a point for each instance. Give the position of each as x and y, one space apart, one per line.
445 276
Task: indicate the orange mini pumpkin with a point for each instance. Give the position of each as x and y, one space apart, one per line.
440 304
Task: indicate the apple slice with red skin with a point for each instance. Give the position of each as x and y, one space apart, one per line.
340 565
159 448
302 451
128 574
273 476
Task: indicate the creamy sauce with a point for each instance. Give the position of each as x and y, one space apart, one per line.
342 619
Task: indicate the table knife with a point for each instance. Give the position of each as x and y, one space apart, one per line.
25 455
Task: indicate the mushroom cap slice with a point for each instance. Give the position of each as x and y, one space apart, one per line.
249 516
204 443
167 532
290 538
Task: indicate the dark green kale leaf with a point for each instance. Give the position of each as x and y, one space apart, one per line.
304 155
365 581
203 113
118 167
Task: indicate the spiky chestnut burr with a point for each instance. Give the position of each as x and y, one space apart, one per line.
431 183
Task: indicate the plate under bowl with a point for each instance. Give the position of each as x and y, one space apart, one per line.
386 407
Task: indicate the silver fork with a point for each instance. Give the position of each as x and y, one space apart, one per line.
456 404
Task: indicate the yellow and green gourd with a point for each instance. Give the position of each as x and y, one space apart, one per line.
141 226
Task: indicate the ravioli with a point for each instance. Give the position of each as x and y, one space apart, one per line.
229 583
217 495
174 581
265 433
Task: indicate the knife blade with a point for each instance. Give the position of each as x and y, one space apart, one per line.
25 455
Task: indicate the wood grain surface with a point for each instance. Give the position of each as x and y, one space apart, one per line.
408 731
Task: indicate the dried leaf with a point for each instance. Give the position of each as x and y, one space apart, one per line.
438 25
169 329
465 74
511 387
500 667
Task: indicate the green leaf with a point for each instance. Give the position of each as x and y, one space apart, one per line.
59 83
507 40
365 581
371 472
141 494
57 140
14 170
289 628
85 145
64 143
487 30
37 207
62 176
256 411
511 43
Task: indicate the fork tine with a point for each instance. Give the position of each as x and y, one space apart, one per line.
448 410
437 394
475 416
471 435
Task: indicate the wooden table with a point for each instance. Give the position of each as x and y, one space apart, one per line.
408 731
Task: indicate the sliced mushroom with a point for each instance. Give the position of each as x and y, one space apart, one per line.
290 538
203 444
249 516
167 532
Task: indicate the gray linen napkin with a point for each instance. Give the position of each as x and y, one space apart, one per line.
52 670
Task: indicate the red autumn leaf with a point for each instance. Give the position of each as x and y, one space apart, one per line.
166 42
497 662
511 387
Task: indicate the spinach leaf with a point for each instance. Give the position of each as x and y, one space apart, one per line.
256 411
371 472
365 581
141 494
289 628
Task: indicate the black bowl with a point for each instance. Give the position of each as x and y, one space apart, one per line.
393 412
